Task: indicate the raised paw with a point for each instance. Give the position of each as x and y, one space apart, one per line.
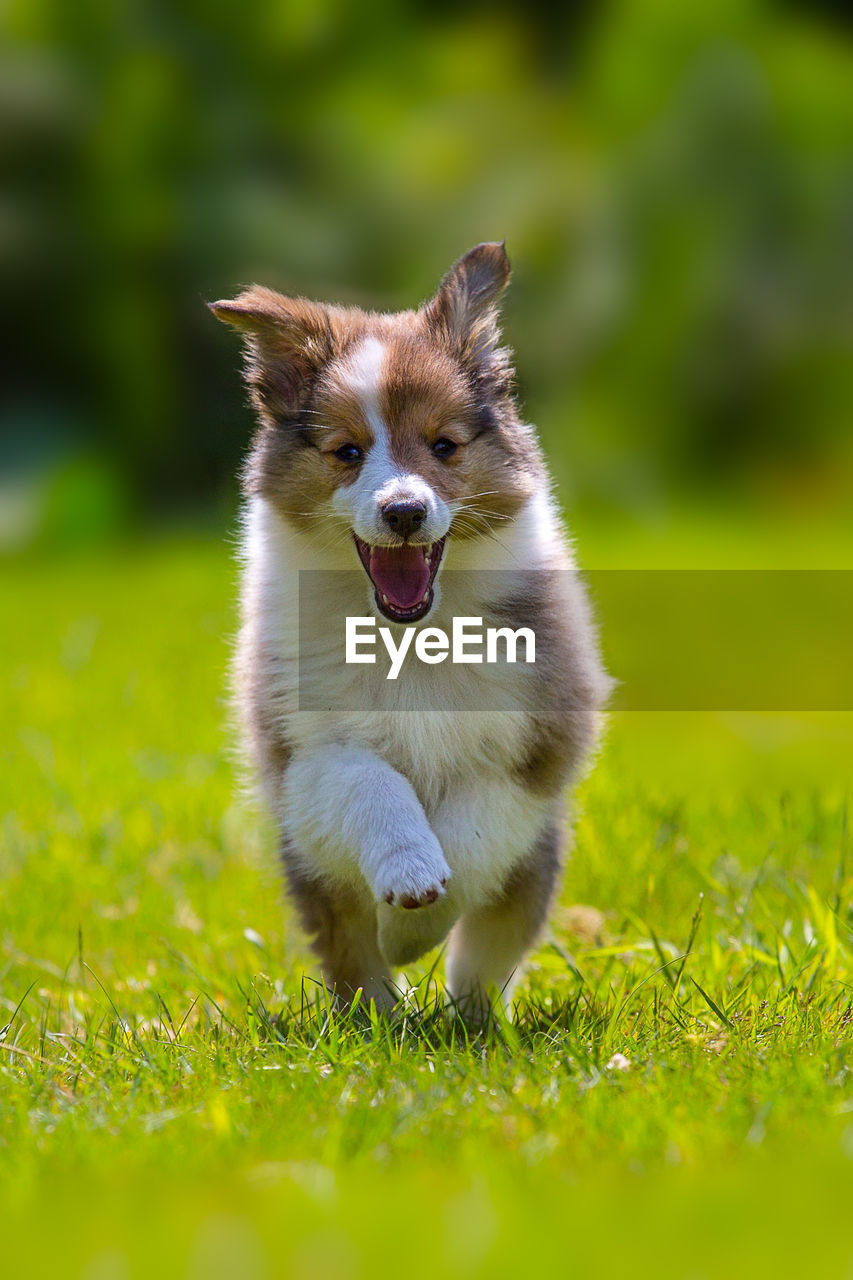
409 901
413 877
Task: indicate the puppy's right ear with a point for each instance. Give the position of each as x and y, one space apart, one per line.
287 340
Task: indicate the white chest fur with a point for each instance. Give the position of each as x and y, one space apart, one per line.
436 725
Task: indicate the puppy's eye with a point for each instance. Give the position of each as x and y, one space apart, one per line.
443 448
349 453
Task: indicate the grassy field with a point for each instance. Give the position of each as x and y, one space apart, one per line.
673 1097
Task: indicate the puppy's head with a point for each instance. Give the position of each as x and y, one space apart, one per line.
399 431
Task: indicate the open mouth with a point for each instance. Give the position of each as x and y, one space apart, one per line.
402 577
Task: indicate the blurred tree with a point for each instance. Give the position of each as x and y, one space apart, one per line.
674 183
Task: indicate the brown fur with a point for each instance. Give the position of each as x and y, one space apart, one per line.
443 378
343 934
564 725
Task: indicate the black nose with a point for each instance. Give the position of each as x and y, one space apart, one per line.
404 517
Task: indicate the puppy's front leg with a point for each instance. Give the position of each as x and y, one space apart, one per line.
350 812
506 845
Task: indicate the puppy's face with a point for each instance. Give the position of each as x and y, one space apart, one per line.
396 433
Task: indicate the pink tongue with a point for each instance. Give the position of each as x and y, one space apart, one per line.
400 573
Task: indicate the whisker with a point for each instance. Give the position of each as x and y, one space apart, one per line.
487 493
484 511
483 529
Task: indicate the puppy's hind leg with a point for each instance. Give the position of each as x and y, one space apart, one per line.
343 933
488 945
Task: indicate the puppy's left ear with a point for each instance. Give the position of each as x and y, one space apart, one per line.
464 312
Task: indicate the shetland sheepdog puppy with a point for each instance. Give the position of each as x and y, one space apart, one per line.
392 479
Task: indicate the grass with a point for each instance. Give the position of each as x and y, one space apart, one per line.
176 1097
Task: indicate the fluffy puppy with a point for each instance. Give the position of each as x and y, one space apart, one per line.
392 477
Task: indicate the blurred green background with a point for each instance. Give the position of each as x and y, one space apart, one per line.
674 182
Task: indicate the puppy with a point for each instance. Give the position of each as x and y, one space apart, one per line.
392 479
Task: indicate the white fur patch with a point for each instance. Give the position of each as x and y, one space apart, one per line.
381 480
363 374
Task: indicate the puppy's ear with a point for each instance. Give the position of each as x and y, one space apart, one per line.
287 340
464 312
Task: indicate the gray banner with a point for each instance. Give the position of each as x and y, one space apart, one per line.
675 640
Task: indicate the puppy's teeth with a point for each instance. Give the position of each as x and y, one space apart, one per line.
385 599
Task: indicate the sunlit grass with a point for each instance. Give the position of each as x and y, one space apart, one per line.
673 1094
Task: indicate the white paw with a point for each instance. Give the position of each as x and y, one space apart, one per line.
413 875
